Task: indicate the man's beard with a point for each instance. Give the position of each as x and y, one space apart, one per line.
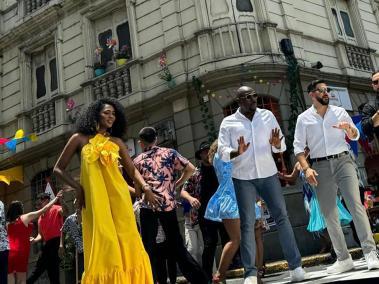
323 101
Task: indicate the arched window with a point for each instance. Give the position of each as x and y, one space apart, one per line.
39 182
265 102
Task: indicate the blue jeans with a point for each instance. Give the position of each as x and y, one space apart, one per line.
271 192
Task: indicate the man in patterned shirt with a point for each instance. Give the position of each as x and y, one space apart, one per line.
157 166
72 227
4 247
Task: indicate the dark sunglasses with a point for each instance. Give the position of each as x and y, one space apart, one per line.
249 96
322 90
375 82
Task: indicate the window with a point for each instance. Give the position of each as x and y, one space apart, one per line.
339 30
341 18
347 24
45 77
113 26
244 6
39 182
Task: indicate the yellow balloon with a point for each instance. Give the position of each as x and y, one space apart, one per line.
19 134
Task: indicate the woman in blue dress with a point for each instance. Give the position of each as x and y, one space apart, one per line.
222 207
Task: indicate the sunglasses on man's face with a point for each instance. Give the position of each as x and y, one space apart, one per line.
322 90
375 82
248 96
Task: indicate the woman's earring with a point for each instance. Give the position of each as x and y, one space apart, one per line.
110 131
97 126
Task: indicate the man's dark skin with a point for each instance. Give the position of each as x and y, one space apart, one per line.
247 101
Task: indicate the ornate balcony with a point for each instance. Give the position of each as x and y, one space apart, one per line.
359 57
233 39
32 5
115 83
43 117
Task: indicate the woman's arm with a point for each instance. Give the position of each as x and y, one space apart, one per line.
72 146
31 216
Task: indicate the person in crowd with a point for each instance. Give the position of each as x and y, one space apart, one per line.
197 191
370 112
222 207
113 250
4 246
72 227
166 264
49 226
158 165
20 229
247 138
323 128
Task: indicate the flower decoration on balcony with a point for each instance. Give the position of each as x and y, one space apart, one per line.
18 137
165 73
73 113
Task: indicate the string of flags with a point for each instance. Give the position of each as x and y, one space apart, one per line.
18 137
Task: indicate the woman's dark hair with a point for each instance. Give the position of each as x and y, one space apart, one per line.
15 210
87 122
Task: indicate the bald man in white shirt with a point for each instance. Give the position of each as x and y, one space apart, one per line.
247 138
323 128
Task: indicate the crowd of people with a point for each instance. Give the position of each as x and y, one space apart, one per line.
220 198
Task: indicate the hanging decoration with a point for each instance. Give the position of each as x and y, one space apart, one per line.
18 137
73 112
12 174
297 101
165 73
203 100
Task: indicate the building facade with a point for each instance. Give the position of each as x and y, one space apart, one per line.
186 59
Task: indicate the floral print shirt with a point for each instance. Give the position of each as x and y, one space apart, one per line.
157 166
193 187
4 244
74 231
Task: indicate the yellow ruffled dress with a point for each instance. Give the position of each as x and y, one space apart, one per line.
113 249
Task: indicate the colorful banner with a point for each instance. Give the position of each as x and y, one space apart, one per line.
12 174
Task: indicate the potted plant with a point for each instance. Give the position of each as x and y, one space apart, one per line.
165 73
122 55
98 65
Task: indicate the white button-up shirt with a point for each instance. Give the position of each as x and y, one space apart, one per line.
319 134
257 161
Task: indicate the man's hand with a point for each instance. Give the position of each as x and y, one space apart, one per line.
346 126
242 146
375 119
310 175
195 203
275 140
151 198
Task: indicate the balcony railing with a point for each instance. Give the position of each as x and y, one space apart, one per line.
359 57
43 116
232 39
32 5
115 83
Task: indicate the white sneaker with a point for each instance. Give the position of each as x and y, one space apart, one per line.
250 280
341 266
372 260
297 275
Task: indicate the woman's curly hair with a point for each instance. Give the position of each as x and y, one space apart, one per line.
88 121
212 151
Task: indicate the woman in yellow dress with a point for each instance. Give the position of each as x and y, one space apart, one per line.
113 250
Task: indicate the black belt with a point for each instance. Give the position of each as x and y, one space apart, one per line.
330 157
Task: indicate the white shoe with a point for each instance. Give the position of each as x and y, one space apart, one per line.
341 266
250 280
297 275
372 260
